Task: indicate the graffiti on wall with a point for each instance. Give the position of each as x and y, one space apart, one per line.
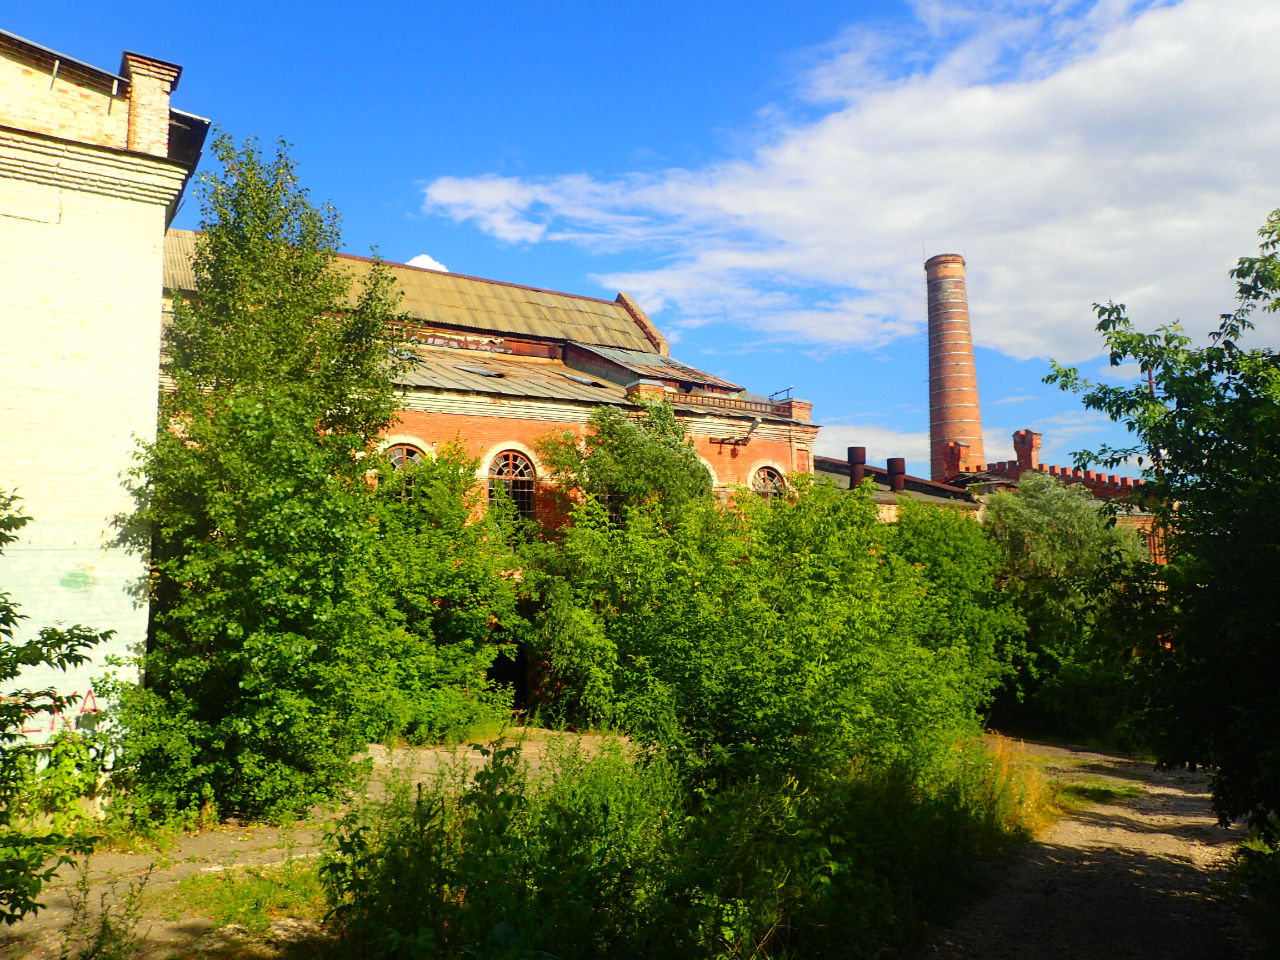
82 711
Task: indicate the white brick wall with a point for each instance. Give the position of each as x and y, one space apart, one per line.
80 305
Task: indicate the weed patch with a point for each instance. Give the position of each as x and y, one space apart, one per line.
1256 868
252 897
1073 796
111 931
611 855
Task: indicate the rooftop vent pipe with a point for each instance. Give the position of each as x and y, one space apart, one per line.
857 466
897 474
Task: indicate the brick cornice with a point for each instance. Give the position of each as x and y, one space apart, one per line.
113 173
565 411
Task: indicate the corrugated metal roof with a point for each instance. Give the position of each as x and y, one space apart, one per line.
468 303
462 371
646 363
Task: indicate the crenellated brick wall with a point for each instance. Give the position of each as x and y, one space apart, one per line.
1026 445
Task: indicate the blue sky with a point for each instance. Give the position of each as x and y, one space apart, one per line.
767 179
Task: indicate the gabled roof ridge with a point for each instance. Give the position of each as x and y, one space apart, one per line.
467 276
460 276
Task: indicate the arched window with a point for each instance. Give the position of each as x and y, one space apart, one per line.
514 473
768 483
403 455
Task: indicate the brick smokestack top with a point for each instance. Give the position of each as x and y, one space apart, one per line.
953 382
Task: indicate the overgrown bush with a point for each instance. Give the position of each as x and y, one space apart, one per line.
1072 573
439 575
254 505
628 461
611 856
1205 422
1256 866
773 638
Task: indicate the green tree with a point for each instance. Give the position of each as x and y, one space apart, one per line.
1207 426
440 570
30 854
256 500
629 461
965 607
774 638
1068 568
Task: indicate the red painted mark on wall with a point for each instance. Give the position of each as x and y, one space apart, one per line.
63 720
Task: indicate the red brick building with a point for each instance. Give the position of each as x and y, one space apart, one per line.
498 366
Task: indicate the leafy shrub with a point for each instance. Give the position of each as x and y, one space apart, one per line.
774 638
1256 866
253 503
1070 570
38 826
1206 422
437 579
56 782
628 462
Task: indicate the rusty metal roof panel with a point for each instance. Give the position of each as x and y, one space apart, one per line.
646 363
470 303
497 375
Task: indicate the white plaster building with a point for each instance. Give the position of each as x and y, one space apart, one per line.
92 165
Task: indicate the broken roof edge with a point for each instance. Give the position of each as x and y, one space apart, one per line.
666 368
682 405
647 326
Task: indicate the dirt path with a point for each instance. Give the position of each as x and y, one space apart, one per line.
1131 878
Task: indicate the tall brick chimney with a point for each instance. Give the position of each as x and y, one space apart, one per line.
954 416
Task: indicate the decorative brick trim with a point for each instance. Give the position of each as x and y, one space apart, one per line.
110 173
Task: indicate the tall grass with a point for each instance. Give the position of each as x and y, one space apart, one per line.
611 856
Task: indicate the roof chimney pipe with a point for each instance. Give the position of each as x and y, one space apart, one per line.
954 415
857 466
897 474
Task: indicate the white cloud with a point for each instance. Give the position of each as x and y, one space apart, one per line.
881 442
427 262
1072 151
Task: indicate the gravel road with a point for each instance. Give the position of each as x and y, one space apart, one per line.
1134 878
